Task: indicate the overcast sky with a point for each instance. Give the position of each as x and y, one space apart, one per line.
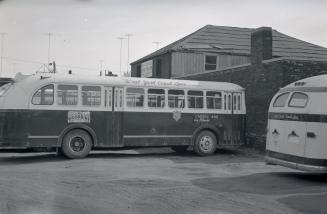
86 31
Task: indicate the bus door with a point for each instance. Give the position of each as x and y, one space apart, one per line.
117 120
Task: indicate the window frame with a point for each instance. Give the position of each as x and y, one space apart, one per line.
164 96
144 98
212 97
53 97
274 106
203 98
174 95
79 94
205 62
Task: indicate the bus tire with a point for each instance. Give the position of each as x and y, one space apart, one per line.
205 143
179 149
76 144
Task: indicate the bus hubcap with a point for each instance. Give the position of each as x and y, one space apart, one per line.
206 143
77 144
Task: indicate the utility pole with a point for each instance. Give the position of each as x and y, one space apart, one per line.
157 44
49 42
2 49
128 35
121 47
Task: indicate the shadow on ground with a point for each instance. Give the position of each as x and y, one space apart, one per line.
277 183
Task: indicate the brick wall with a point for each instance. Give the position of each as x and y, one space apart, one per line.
261 82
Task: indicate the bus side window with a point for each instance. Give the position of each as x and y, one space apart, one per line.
67 94
156 98
43 96
214 100
91 95
298 100
280 101
135 97
176 99
195 99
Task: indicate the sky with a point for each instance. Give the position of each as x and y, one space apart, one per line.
84 33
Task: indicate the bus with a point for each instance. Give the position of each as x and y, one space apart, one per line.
76 114
297 124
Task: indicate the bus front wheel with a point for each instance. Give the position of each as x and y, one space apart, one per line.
76 144
205 143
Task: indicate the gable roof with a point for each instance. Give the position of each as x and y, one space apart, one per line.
223 39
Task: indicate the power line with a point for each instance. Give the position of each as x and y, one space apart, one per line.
121 47
43 63
49 35
128 35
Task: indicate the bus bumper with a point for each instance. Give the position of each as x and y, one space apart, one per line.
298 166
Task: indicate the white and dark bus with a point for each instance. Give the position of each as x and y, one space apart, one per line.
76 114
297 126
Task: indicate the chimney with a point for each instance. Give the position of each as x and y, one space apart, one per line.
261 45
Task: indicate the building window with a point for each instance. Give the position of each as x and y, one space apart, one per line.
176 99
214 100
135 97
156 98
43 96
91 95
67 94
210 63
195 99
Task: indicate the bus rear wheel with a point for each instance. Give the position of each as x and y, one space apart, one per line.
76 144
205 143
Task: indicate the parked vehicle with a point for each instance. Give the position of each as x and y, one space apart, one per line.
297 126
77 114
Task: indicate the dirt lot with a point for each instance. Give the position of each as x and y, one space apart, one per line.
156 181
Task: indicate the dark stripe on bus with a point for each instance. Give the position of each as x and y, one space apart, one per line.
297 159
319 118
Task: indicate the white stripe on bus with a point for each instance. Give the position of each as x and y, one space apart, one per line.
156 136
41 137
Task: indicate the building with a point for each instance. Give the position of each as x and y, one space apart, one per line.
261 60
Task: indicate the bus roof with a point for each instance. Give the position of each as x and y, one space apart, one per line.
310 84
125 81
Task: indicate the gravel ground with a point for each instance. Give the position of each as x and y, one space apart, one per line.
156 181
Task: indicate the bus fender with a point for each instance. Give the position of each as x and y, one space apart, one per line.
78 126
208 127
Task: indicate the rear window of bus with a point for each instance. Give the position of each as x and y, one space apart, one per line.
280 101
298 100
